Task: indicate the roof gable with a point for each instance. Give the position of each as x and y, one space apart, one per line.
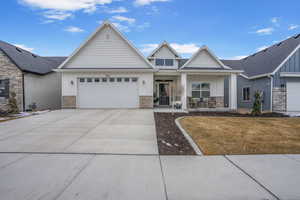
204 58
164 49
106 48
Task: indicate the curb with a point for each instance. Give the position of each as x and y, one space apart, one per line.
188 137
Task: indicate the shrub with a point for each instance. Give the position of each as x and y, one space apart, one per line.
12 103
256 109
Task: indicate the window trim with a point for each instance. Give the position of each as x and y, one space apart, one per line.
246 100
200 90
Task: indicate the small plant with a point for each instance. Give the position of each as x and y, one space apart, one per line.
256 109
12 103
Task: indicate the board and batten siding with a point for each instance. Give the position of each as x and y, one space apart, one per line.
205 60
261 84
44 90
291 65
107 49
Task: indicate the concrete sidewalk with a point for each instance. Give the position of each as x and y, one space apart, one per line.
75 176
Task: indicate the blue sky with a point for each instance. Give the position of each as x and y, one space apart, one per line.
230 28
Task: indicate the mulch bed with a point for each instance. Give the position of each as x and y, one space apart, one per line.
170 139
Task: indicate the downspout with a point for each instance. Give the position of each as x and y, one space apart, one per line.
271 98
23 87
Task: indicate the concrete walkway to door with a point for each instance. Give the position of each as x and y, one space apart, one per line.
82 131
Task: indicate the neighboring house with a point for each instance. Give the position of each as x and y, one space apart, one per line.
30 77
275 73
107 71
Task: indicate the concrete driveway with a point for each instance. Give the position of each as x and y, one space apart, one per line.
82 131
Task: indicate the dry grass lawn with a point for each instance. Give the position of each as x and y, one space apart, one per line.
242 135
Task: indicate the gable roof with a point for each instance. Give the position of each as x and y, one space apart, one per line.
105 24
165 43
27 61
268 60
203 48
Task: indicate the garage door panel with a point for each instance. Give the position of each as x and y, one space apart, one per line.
108 95
293 96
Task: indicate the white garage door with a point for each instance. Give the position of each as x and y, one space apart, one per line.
293 96
112 92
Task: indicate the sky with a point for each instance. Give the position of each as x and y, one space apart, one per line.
232 29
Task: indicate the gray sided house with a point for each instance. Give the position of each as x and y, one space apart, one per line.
30 77
275 72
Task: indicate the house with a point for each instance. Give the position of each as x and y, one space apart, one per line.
275 73
30 77
107 71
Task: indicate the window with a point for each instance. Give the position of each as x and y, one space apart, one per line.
111 79
169 62
97 80
82 80
119 79
246 94
4 88
159 62
134 79
200 90
89 80
104 80
126 79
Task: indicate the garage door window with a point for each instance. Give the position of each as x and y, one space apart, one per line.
104 80
81 80
119 79
97 80
89 80
127 79
134 79
111 79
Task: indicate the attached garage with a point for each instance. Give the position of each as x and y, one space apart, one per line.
108 92
293 96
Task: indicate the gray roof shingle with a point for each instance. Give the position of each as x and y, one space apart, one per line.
29 62
267 60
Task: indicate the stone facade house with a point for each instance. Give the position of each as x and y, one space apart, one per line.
30 77
275 73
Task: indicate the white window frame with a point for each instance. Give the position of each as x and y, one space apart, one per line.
200 90
246 100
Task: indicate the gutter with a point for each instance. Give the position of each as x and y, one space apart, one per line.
103 70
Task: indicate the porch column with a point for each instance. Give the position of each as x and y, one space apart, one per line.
233 91
184 90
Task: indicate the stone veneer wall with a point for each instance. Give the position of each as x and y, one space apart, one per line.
8 70
69 102
279 99
146 102
220 102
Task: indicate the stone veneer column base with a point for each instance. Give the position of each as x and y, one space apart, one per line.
279 100
69 102
220 102
146 102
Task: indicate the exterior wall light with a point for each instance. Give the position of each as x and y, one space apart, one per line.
72 82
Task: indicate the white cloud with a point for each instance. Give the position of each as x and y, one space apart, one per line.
56 15
275 21
148 48
123 19
265 31
23 46
117 10
121 27
62 9
74 29
143 26
238 57
293 26
261 48
147 2
189 48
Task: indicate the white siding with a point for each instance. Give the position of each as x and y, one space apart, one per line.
145 81
216 84
44 90
205 60
107 49
165 53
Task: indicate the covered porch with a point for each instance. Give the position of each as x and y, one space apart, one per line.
195 91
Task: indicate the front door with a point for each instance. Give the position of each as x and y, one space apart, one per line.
164 94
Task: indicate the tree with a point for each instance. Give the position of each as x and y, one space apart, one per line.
256 109
12 103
